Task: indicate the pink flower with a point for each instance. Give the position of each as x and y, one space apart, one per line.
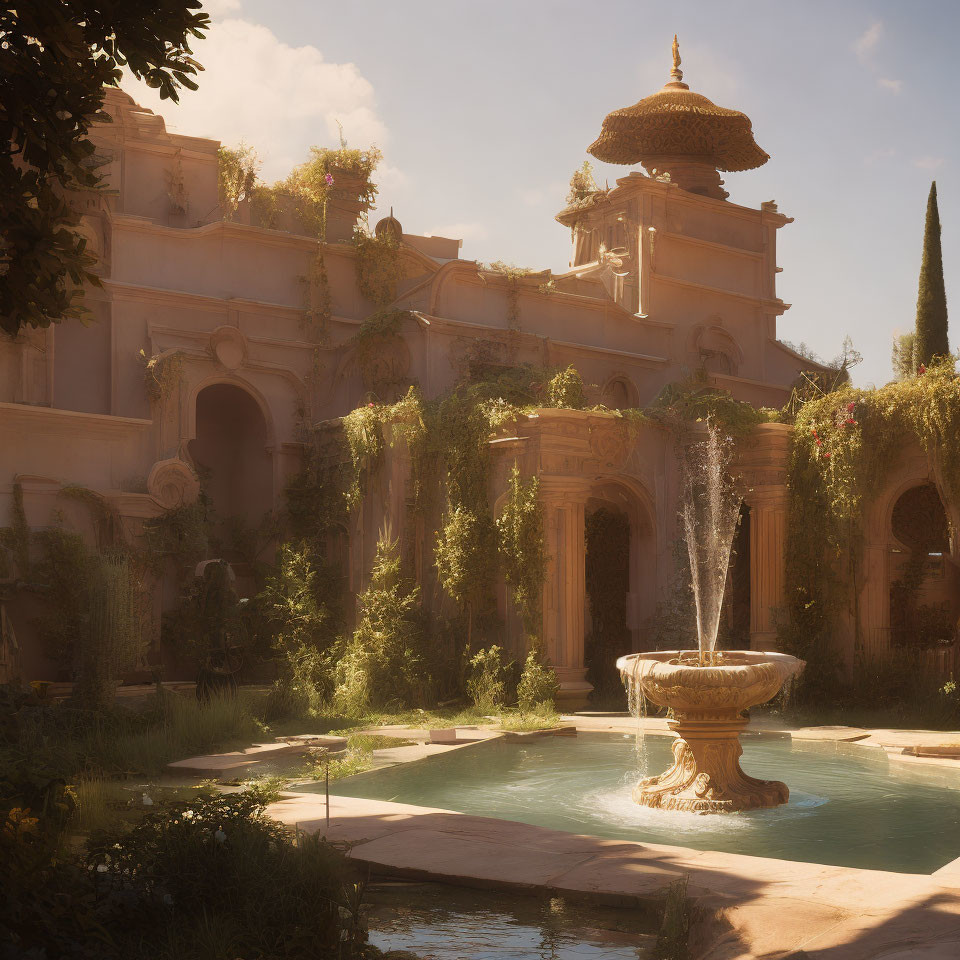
851 405
369 404
328 180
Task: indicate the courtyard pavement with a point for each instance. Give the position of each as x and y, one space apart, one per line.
745 907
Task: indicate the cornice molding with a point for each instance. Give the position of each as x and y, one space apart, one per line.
71 422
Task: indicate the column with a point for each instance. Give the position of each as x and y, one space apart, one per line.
564 594
768 537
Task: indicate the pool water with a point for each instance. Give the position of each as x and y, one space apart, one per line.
449 923
848 805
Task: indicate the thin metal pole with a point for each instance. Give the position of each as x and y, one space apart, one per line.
327 788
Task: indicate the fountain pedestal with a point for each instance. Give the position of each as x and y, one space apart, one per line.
708 703
706 776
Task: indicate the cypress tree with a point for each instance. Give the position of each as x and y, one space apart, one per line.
931 332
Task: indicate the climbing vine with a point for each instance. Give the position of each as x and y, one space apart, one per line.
522 554
513 275
845 444
694 400
162 373
379 266
376 334
319 303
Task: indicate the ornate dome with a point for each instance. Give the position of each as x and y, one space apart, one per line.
678 124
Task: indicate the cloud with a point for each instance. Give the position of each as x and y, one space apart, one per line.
278 99
217 8
471 230
389 177
866 43
928 163
865 46
883 153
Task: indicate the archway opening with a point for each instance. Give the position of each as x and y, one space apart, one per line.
607 532
231 456
924 596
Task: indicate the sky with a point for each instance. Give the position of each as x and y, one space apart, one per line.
483 111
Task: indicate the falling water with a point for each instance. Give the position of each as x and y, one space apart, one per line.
637 705
710 507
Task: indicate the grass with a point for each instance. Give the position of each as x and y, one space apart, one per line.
101 755
177 727
516 721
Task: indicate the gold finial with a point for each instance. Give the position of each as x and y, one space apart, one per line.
676 74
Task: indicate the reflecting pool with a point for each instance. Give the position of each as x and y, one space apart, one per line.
849 805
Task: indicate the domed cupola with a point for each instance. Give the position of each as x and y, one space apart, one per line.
682 134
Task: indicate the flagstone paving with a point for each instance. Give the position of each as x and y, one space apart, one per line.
747 908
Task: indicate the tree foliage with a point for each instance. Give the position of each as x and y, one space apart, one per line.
930 340
56 58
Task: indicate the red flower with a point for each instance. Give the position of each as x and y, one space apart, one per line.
921 370
826 453
849 421
851 405
818 443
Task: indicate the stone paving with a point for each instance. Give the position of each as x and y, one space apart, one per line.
748 907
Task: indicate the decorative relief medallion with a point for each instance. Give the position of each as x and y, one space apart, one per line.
172 483
229 347
609 444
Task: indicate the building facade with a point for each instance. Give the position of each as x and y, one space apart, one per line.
666 277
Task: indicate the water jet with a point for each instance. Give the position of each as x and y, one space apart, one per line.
707 690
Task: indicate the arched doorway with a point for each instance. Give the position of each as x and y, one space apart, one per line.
924 597
231 456
619 582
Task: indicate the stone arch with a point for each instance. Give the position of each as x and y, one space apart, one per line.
619 393
923 584
715 349
230 444
620 577
190 426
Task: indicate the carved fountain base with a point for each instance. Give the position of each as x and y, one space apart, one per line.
706 776
708 701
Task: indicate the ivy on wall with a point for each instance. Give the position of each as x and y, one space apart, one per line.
379 266
162 374
522 554
845 443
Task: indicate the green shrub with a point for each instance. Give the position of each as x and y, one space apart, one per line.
538 683
384 663
212 878
113 640
565 389
303 619
487 682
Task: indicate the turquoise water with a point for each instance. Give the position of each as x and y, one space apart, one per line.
848 806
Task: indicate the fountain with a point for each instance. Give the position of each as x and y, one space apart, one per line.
706 689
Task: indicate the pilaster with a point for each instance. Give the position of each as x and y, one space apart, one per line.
565 588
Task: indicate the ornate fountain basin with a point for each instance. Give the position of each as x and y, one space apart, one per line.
707 703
